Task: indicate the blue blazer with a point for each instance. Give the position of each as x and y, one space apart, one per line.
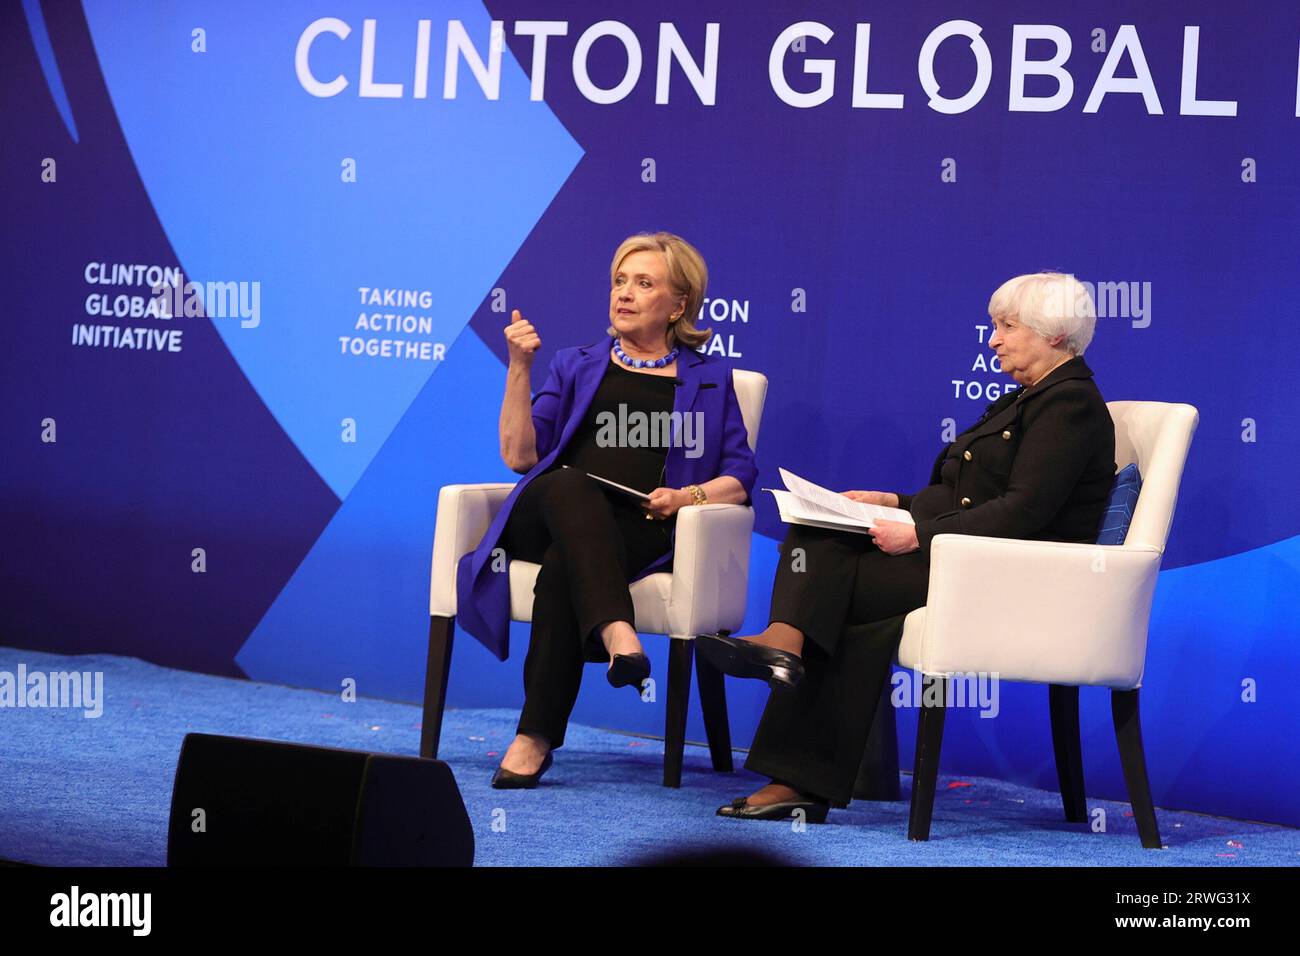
483 595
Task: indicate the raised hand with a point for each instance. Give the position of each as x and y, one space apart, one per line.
522 340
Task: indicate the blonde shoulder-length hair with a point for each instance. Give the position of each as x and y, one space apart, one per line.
687 275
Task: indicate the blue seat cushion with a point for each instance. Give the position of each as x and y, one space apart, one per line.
1119 511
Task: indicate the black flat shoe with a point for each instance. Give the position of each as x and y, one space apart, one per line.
814 810
739 658
629 669
505 779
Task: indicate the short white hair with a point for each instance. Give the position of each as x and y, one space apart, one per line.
1050 303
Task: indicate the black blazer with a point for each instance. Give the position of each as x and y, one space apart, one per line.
1039 464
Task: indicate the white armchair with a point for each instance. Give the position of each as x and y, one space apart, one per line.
1098 602
704 594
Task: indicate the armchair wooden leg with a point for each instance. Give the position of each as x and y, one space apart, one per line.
713 701
1063 703
437 671
929 741
1132 757
878 773
679 695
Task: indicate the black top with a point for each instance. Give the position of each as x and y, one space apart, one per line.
627 431
1039 464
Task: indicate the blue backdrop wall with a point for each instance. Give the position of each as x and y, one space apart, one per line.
251 490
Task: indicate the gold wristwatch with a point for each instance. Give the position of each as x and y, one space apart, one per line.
698 497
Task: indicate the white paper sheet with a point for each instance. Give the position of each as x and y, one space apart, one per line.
805 502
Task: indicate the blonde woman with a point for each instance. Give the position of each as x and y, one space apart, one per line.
590 540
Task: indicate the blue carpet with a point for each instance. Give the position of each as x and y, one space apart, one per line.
78 791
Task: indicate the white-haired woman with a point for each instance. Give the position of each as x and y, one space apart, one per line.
1039 463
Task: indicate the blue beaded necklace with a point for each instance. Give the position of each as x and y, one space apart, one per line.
643 363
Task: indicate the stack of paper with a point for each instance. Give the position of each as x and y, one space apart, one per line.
806 503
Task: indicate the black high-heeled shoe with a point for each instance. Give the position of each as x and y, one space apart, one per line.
814 811
739 658
633 669
505 779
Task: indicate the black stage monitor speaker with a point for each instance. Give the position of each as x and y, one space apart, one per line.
242 802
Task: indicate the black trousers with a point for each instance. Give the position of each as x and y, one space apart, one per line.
849 599
590 542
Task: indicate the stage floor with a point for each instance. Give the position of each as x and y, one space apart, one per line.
79 791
